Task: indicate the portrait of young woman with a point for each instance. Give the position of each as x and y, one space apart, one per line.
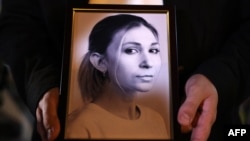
119 84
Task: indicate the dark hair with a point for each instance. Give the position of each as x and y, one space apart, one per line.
91 80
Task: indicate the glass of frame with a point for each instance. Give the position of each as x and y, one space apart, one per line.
119 76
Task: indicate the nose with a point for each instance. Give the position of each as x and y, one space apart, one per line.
145 61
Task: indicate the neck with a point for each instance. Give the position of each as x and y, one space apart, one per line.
119 103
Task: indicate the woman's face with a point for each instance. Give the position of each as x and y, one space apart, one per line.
134 59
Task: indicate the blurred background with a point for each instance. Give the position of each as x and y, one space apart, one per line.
16 121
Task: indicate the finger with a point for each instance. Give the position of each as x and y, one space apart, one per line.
39 124
188 110
54 129
186 116
202 128
194 98
203 125
51 121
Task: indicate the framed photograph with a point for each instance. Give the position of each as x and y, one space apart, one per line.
119 74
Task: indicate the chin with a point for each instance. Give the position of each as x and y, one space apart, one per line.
144 88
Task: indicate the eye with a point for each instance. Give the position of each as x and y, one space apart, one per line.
131 51
154 51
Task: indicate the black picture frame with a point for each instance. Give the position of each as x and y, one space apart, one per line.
80 20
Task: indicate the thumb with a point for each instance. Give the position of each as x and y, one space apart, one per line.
49 106
52 128
194 99
187 114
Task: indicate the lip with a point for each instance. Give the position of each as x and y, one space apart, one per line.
145 78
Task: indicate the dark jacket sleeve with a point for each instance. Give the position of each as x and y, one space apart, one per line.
215 42
26 46
229 71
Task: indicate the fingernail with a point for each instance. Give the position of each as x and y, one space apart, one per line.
185 119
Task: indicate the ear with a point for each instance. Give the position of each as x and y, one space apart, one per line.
98 61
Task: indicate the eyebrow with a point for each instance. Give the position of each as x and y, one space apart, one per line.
155 43
138 44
